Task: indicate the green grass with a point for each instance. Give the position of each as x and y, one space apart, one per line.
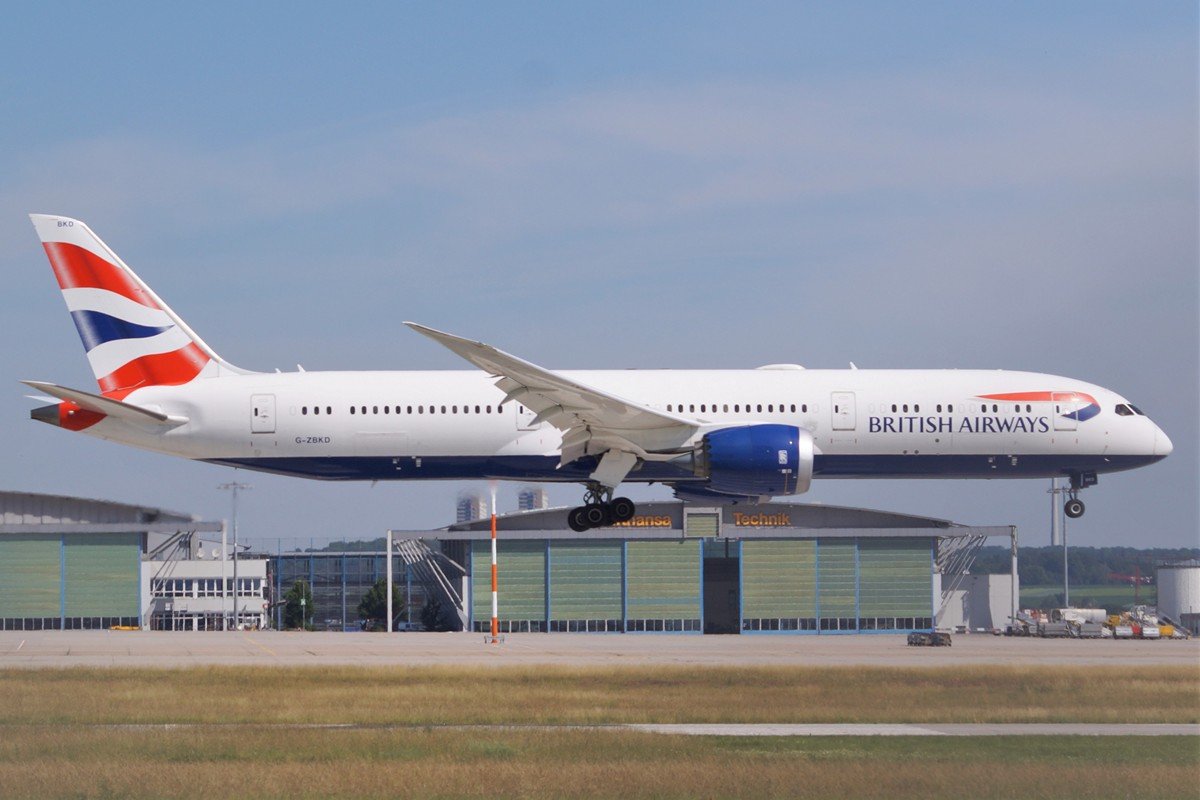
247 732
602 695
244 761
1114 597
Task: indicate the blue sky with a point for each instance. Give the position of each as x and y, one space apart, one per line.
684 185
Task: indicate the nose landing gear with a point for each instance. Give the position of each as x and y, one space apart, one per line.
1074 507
600 509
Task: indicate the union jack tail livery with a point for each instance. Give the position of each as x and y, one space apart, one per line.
132 338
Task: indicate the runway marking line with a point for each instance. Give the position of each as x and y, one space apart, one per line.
260 645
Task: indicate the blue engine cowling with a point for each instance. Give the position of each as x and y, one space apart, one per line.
763 460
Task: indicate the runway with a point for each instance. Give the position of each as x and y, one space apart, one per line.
702 729
949 729
41 649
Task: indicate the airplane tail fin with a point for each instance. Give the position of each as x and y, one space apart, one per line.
132 338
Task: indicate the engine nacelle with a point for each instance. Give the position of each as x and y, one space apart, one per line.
757 460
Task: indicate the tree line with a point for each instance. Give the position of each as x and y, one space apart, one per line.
1043 566
372 608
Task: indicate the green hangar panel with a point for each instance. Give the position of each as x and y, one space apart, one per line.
102 574
585 585
779 581
522 581
31 576
59 580
894 582
664 585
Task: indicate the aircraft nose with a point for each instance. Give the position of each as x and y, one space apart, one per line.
1162 444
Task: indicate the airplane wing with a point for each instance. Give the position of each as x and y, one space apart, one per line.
593 421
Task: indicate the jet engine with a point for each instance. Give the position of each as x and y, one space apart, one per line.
762 460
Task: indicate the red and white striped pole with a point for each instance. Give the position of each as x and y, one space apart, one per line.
495 588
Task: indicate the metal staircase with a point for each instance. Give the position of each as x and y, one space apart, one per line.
429 567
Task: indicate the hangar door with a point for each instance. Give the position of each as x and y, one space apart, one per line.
522 584
30 576
663 579
76 580
585 585
102 574
837 585
895 584
779 585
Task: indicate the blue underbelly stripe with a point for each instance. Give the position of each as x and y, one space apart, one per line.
542 469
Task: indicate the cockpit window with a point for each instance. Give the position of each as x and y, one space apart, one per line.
1138 411
1123 410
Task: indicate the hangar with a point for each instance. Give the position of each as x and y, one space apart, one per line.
775 568
69 563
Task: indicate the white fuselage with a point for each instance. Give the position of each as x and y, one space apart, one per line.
451 424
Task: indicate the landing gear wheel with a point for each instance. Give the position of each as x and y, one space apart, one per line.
1074 508
623 509
576 521
596 515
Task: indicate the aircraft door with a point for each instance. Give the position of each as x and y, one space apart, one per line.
1065 403
262 413
841 406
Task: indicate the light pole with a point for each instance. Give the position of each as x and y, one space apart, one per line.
235 487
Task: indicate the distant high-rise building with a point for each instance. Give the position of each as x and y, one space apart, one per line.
471 505
532 498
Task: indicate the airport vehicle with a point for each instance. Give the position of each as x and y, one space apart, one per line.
716 436
929 639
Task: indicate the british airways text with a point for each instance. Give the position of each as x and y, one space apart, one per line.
916 424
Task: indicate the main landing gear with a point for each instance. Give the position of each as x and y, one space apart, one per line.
1074 507
600 510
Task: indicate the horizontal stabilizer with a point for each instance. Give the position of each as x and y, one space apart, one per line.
105 405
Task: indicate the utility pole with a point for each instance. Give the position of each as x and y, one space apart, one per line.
235 487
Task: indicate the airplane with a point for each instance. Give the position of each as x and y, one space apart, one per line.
714 436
